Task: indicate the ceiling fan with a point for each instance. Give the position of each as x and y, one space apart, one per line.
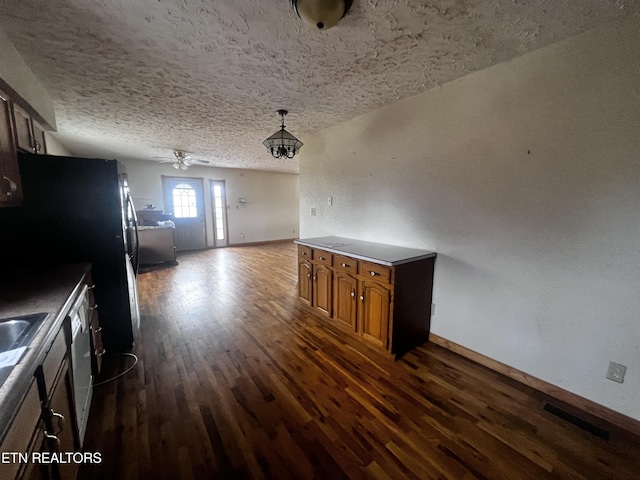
182 160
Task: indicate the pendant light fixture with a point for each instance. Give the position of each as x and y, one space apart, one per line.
282 144
321 14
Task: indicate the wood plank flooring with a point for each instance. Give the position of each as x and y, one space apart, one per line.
235 380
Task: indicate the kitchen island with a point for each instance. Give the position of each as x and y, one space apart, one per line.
377 292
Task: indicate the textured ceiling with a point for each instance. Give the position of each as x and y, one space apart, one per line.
137 79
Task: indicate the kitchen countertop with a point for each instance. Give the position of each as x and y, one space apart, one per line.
374 252
27 291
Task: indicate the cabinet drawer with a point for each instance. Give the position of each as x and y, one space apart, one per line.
346 264
21 431
53 360
304 252
320 256
376 271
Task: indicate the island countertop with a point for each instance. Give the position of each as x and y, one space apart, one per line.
375 252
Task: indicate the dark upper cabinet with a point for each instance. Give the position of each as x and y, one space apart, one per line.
28 134
10 185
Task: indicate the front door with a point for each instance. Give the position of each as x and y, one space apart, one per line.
184 198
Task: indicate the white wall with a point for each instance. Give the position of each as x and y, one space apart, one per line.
525 178
271 211
15 73
54 147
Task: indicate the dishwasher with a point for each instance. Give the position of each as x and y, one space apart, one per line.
81 359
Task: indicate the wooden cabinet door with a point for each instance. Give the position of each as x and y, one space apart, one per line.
59 422
305 282
373 318
344 299
35 470
23 130
322 277
10 186
39 140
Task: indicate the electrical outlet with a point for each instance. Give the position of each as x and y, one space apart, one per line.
313 212
329 200
616 372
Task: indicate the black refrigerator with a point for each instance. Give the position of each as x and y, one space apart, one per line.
79 210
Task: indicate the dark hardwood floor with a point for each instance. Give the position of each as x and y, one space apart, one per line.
235 380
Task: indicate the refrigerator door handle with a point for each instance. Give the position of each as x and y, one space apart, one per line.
134 254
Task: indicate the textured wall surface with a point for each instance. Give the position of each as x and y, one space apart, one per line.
525 179
138 79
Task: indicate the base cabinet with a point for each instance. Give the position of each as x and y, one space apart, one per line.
373 318
386 306
305 282
315 278
96 330
59 433
322 286
35 470
345 305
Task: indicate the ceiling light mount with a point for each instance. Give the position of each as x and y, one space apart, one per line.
282 144
321 14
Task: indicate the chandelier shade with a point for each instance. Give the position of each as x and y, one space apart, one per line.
282 144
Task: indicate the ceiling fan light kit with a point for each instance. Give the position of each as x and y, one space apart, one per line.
182 161
321 14
282 144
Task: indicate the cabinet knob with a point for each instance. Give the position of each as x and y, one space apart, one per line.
322 258
353 294
100 352
94 307
314 277
344 265
362 298
92 286
373 274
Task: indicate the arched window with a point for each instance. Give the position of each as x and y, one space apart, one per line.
184 201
